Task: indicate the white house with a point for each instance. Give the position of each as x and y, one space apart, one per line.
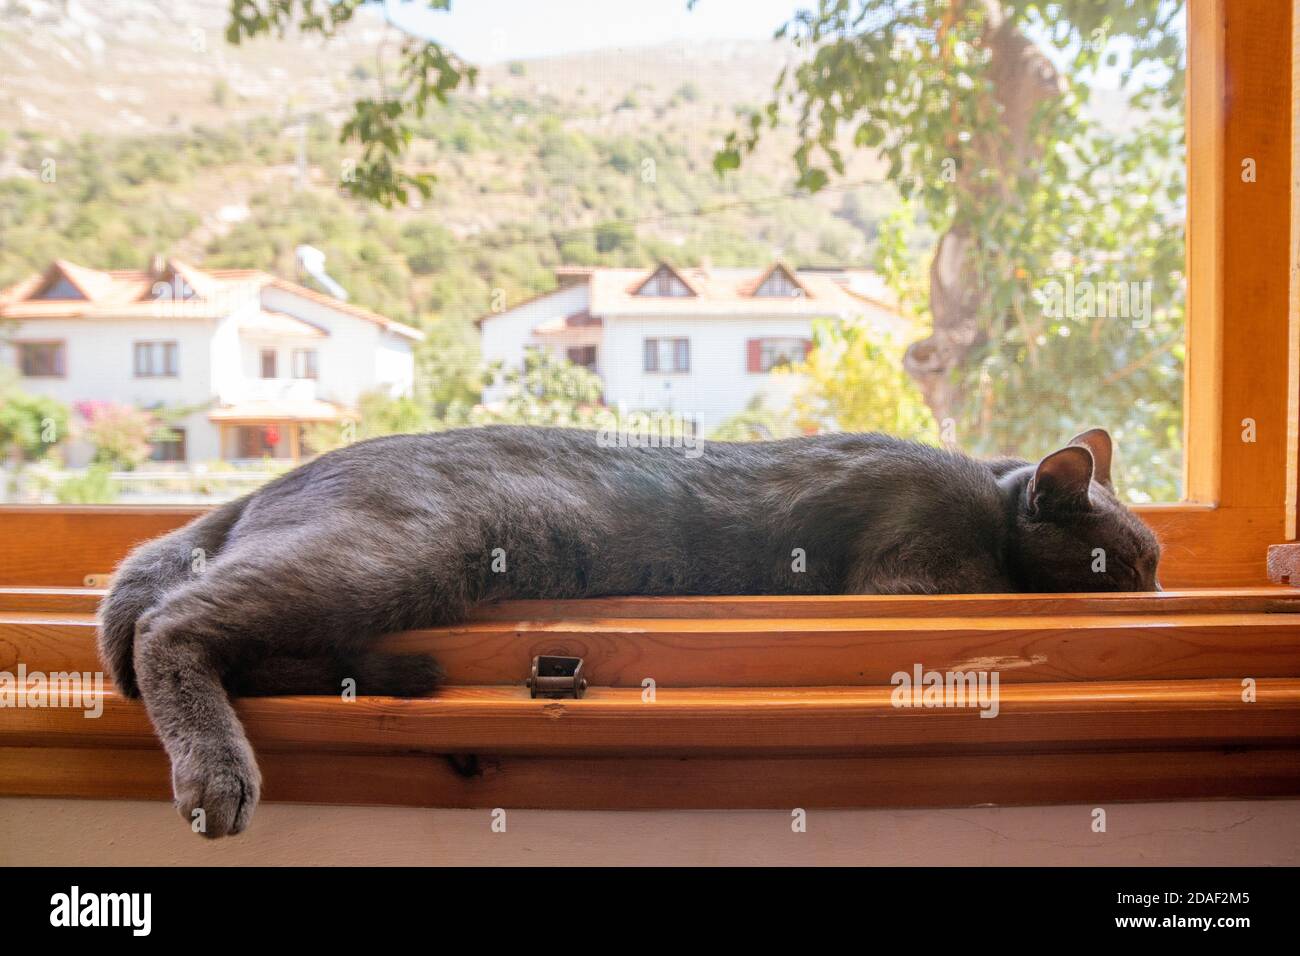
700 343
247 358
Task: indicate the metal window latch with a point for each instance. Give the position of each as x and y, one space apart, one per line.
556 677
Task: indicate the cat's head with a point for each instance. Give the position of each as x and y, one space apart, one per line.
1070 530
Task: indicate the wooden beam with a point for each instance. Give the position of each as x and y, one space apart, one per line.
746 607
58 546
658 783
1293 343
1254 258
1284 564
1203 371
1113 715
783 651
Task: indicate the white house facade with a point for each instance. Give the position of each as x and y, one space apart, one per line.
701 343
237 360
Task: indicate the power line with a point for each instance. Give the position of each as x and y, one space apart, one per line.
697 212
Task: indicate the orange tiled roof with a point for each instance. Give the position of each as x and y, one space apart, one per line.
180 290
730 292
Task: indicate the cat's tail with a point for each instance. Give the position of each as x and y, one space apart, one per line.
370 673
149 572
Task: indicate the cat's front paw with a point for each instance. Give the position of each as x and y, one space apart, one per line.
217 791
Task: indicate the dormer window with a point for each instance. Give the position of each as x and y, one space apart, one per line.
664 282
172 287
780 283
61 288
66 282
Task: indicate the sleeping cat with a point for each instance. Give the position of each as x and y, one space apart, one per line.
285 590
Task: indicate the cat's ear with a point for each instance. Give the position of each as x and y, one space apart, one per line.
1098 443
1061 480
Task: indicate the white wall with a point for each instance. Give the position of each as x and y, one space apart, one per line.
100 366
503 336
350 364
395 364
224 355
216 363
718 385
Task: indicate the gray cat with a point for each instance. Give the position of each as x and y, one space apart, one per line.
285 590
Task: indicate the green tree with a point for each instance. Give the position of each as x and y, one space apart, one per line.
981 109
547 391
760 421
382 125
94 486
378 414
854 381
30 425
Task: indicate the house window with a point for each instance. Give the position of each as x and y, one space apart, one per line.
61 289
42 359
763 355
584 355
156 359
664 282
168 445
268 363
779 284
304 364
667 355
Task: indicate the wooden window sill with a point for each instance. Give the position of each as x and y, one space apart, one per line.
762 701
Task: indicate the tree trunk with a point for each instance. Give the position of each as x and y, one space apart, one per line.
1022 79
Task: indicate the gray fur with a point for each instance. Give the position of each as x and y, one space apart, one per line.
299 577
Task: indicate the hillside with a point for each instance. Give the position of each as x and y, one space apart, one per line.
598 157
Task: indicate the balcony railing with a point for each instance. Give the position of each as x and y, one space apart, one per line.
271 390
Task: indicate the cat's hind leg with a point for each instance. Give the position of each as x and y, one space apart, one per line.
215 779
309 600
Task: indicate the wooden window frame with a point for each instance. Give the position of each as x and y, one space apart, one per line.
177 443
1242 337
169 347
310 367
786 701
1120 700
679 343
62 357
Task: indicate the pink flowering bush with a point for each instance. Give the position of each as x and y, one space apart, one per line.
120 433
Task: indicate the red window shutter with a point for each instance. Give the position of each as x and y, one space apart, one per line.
807 348
754 355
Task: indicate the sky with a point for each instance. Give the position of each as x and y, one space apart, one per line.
497 31
494 31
